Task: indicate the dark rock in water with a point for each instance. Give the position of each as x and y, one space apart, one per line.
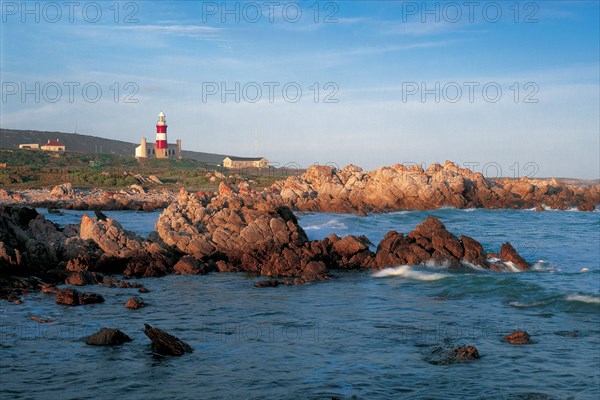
143 289
56 211
48 289
518 337
83 278
107 337
100 215
441 356
166 344
268 283
135 302
509 254
71 297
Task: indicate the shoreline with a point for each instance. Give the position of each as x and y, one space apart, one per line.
349 190
240 229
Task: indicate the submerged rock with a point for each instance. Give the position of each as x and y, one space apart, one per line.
71 297
267 283
441 356
107 337
166 344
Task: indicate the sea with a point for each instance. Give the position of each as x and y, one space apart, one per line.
360 335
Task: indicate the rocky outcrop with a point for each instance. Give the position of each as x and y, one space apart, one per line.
136 256
165 343
107 337
400 187
431 242
242 232
32 245
71 297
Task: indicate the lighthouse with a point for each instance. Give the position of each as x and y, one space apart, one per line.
160 149
161 137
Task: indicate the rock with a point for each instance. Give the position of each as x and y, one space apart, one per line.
107 337
143 289
100 215
137 189
83 278
134 303
154 179
398 187
48 289
224 190
64 191
518 337
465 353
41 320
441 356
71 297
267 283
55 211
509 254
164 343
188 265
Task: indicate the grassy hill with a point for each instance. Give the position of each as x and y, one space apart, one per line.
11 138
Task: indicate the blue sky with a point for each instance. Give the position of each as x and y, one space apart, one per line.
382 62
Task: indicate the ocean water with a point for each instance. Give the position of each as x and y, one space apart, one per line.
360 335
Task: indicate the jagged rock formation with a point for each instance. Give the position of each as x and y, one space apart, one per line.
165 343
398 187
432 242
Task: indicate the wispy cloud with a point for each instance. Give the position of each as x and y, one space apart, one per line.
194 31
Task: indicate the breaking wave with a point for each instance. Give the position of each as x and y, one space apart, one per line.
409 272
583 298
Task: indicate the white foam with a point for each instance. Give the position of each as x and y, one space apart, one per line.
406 271
472 266
543 266
331 224
518 304
584 299
511 267
584 269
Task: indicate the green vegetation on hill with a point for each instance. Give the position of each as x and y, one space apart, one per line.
11 138
34 168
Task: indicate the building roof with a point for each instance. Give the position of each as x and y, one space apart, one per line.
232 158
53 143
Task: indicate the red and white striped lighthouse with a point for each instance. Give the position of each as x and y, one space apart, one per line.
161 136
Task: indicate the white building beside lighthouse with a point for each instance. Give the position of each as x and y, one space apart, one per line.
161 148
